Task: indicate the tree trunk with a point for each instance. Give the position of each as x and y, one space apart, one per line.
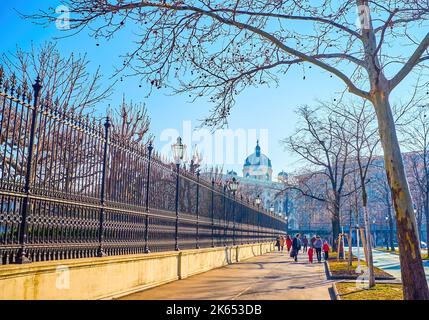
427 219
362 236
336 225
369 261
415 286
350 260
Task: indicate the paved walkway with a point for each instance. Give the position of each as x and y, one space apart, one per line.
390 263
272 276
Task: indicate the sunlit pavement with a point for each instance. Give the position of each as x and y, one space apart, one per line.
389 262
272 276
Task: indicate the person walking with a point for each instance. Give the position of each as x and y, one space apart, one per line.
282 243
304 244
313 239
278 242
296 247
288 243
318 246
310 255
326 250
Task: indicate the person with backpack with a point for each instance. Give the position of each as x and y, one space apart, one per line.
296 246
318 246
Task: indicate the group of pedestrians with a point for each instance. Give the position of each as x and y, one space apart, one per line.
295 245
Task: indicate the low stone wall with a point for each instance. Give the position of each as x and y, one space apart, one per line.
110 277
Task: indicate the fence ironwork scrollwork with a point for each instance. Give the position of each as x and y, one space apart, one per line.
69 188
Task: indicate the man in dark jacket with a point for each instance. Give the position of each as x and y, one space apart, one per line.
296 246
318 246
304 244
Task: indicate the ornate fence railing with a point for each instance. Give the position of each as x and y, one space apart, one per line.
69 188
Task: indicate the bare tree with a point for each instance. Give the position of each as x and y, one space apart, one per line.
416 139
131 122
321 141
68 91
65 79
129 128
381 193
226 46
363 139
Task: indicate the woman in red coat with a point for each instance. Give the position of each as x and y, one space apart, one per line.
288 243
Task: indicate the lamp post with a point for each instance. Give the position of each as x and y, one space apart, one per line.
258 203
375 233
272 224
233 187
287 224
178 150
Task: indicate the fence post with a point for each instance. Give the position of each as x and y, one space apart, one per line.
233 220
197 210
224 216
100 252
146 222
26 205
241 219
248 222
259 225
212 213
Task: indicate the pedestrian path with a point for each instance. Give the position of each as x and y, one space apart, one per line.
273 276
390 263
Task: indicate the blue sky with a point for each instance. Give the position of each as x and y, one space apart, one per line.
266 110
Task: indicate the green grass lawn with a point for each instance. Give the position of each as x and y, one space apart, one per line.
342 268
349 291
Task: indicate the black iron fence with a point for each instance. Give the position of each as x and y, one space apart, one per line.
71 188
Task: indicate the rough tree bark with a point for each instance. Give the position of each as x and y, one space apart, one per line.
389 215
411 264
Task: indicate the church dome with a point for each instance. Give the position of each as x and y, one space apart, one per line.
282 176
257 158
258 166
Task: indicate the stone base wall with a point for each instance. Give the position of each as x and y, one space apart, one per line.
110 277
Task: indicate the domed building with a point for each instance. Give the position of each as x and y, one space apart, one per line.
282 176
258 166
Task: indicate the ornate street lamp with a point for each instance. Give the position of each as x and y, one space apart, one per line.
287 224
178 150
258 201
146 228
233 187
